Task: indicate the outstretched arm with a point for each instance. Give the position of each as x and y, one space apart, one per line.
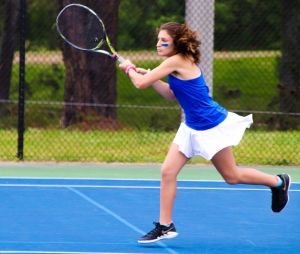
150 78
164 90
159 86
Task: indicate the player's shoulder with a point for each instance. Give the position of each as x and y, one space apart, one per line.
175 64
176 60
177 57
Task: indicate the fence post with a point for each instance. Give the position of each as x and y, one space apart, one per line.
20 153
200 17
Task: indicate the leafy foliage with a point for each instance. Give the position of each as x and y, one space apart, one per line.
138 21
140 15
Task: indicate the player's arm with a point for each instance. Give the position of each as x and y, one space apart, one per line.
159 86
164 90
153 78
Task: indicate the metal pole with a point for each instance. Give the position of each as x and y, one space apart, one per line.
20 153
199 15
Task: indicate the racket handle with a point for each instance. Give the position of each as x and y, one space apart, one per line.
120 59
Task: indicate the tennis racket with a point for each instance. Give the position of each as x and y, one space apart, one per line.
82 28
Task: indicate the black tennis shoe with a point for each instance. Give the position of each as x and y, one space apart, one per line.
280 195
160 232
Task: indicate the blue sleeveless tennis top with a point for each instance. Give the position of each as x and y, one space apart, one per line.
201 111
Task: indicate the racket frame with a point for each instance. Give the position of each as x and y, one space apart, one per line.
96 49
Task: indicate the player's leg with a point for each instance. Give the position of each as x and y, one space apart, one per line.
225 163
165 229
172 165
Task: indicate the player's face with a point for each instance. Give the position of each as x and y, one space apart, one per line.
165 45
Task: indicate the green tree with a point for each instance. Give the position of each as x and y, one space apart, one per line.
12 14
90 77
40 25
247 25
289 67
138 21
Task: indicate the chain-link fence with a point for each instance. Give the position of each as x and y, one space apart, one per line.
80 107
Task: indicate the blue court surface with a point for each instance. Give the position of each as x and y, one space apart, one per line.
50 215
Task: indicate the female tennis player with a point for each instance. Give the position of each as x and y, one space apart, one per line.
209 130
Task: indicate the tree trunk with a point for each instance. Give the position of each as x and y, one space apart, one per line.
90 77
77 83
103 68
12 14
289 68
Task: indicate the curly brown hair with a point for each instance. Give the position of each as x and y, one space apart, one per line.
185 40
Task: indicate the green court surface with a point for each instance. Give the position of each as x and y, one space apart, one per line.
123 171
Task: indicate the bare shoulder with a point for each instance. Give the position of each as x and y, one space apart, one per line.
177 62
170 64
179 66
178 59
184 68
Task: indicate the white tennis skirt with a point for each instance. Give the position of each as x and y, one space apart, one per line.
208 142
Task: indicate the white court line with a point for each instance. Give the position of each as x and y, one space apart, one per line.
106 179
132 187
119 218
65 252
112 179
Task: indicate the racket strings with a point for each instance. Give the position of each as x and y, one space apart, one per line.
81 27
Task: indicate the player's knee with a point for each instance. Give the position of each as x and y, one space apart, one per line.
167 173
232 179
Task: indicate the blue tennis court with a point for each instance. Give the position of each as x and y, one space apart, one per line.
51 215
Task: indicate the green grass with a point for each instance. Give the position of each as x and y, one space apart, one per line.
256 78
252 80
239 83
92 146
253 76
257 147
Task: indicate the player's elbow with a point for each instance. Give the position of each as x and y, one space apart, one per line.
171 98
140 85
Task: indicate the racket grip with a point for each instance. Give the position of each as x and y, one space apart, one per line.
120 59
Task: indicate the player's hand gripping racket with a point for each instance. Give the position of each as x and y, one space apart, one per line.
82 28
